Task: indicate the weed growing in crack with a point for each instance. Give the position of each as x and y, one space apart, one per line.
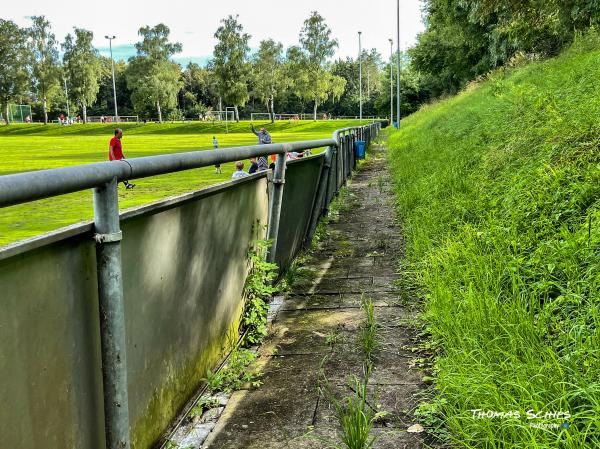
381 184
355 414
334 337
430 414
258 289
297 274
204 403
234 375
382 241
321 233
368 333
356 418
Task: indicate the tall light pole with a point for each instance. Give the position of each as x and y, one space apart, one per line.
398 64
391 82
67 97
112 62
360 75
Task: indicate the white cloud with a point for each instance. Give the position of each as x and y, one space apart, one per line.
194 23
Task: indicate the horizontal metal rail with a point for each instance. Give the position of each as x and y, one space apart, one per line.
29 186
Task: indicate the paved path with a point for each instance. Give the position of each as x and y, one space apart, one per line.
318 327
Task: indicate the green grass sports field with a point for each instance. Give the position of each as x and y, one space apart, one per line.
37 147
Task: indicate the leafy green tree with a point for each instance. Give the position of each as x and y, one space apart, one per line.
104 100
82 65
152 77
414 88
348 102
371 62
14 60
268 74
466 39
348 69
309 63
230 63
153 83
199 93
45 62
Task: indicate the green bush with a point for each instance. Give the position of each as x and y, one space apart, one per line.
499 192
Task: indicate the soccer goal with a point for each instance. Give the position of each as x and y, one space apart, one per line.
218 116
320 116
18 113
261 117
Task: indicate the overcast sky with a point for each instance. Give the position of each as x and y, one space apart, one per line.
193 23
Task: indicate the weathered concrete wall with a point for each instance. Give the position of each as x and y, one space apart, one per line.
50 371
184 271
184 266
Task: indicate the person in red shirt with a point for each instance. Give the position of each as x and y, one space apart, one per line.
115 152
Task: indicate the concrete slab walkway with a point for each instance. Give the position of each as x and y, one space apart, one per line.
316 335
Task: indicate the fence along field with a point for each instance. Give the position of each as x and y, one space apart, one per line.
183 261
37 147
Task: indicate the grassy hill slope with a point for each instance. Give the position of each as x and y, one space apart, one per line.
499 191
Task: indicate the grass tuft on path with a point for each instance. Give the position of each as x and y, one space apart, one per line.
498 189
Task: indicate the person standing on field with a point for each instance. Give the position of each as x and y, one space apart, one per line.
216 147
264 138
115 152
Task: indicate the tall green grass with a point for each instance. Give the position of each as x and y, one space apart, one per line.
498 189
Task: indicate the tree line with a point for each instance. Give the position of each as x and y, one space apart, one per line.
41 72
466 39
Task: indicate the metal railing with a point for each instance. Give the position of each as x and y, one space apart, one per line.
103 177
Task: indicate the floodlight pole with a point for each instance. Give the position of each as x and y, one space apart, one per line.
391 82
67 96
360 75
398 64
112 62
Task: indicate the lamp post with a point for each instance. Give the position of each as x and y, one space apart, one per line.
391 82
67 97
112 61
360 75
398 64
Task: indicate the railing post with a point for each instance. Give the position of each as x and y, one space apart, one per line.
344 151
332 179
352 154
275 206
112 315
321 205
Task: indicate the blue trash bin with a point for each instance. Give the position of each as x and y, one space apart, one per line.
360 149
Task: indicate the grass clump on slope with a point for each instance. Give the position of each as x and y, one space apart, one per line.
499 191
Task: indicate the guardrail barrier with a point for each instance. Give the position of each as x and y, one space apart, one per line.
107 328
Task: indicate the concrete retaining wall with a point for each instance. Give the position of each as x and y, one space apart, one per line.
184 267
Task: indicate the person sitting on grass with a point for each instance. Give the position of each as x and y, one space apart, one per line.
115 152
239 173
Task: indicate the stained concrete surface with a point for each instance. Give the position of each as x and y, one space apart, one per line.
314 339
